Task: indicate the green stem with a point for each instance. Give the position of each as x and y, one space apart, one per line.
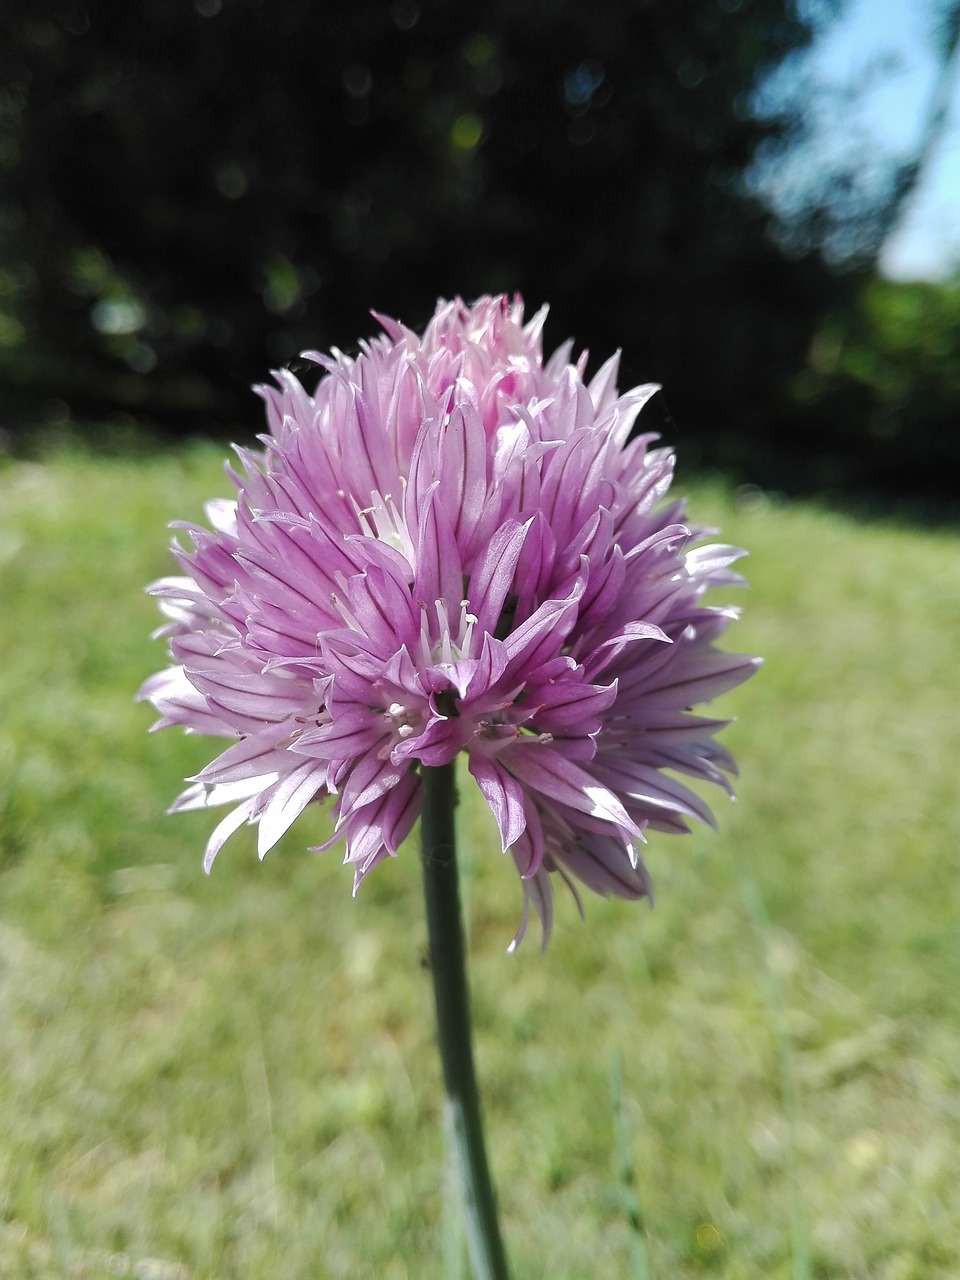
448 966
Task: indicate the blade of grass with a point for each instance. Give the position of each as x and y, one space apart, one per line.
626 1175
777 1014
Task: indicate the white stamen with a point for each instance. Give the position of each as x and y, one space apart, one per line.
382 520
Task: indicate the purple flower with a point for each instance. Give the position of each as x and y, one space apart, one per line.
452 546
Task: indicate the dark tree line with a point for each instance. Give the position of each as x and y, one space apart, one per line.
195 191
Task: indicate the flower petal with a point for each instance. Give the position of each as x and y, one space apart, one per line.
286 800
439 575
547 772
225 829
503 794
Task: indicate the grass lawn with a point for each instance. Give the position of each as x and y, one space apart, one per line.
236 1076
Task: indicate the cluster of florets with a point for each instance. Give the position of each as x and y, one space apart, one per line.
452 546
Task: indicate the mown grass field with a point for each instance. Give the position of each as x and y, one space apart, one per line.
235 1078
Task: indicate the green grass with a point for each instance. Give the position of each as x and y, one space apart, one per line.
236 1076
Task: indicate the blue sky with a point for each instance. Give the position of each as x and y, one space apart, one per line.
926 245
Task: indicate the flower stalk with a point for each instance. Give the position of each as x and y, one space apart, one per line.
448 966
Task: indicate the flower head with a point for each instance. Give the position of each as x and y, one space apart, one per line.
453 546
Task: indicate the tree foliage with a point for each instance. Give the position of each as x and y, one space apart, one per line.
883 383
834 180
197 191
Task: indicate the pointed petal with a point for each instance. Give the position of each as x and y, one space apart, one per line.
601 864
252 757
545 771
503 794
463 473
287 800
224 830
543 633
538 890
353 731
439 575
493 573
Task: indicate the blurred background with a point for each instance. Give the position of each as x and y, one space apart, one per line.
758 200
235 1077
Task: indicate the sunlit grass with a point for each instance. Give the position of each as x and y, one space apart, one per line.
236 1076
